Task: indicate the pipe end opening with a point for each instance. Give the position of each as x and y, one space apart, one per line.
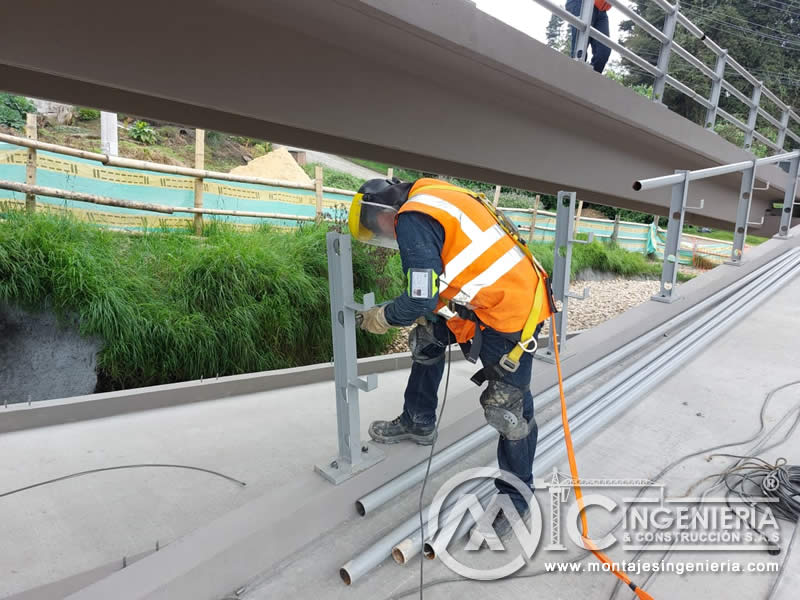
360 508
398 557
345 576
637 185
428 551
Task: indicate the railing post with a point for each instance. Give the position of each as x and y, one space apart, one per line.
318 173
751 119
534 214
582 37
389 172
782 129
716 90
672 247
670 21
199 163
742 215
788 199
562 257
30 168
615 231
354 456
496 199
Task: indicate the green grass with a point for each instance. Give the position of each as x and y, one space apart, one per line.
727 236
334 178
605 257
173 307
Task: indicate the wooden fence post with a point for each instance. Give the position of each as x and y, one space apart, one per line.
318 190
390 172
199 163
496 195
615 233
578 217
532 231
30 169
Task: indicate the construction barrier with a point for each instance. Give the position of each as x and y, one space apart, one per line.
92 177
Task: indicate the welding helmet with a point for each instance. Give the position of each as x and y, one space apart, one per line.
373 211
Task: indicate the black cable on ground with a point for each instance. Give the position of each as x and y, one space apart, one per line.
664 471
117 468
428 471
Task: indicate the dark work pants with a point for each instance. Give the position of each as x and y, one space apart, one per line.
600 52
513 456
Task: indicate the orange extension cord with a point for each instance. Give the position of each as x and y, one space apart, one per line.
573 469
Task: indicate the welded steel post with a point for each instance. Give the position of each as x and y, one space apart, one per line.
753 117
582 37
782 129
672 248
668 30
354 456
743 215
716 90
788 200
562 258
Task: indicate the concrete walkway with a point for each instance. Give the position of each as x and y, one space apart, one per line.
714 400
338 163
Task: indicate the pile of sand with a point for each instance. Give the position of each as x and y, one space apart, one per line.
277 164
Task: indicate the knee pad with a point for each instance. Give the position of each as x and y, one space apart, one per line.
502 407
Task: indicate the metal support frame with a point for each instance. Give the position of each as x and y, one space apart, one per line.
582 38
743 215
354 456
782 129
672 248
670 20
753 117
562 257
716 90
788 200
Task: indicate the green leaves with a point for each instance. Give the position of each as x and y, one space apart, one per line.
13 110
142 132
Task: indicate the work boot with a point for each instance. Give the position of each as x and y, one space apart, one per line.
391 432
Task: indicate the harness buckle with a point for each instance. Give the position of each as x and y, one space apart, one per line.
507 364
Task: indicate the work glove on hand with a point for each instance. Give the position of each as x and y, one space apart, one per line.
374 320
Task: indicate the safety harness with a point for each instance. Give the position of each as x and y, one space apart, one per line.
525 340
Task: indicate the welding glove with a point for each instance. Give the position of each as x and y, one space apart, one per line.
373 320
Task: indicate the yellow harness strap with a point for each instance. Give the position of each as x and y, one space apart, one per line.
510 361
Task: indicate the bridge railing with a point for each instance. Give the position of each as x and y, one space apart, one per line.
662 78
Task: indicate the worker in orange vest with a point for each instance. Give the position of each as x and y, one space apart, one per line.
600 52
472 281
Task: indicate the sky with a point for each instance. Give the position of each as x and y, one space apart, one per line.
532 18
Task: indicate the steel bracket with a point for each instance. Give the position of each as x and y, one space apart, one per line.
562 257
743 215
354 455
677 212
788 200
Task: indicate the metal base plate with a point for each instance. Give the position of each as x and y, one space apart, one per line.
665 299
336 471
733 263
550 357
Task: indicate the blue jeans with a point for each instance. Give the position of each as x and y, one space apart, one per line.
514 456
600 52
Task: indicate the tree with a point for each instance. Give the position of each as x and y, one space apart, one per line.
557 35
761 35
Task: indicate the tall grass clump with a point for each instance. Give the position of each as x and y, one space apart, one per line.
172 307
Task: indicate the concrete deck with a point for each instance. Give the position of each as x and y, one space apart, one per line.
714 400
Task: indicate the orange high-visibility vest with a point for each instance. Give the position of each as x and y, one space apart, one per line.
602 5
484 268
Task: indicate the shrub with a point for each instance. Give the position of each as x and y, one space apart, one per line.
171 307
13 110
88 114
142 132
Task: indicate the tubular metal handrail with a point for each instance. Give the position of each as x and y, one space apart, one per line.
668 44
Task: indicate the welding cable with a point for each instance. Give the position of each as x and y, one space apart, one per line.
428 468
762 420
138 466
